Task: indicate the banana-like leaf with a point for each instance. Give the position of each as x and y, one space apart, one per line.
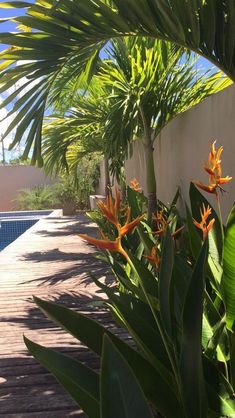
165 283
125 281
135 315
121 394
80 381
228 281
194 239
150 281
91 333
215 339
191 355
220 394
181 277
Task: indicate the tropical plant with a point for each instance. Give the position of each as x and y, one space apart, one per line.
150 82
178 309
71 35
140 86
70 194
38 197
77 129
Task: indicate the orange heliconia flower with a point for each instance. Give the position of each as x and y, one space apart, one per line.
111 210
213 168
205 213
134 185
154 257
162 224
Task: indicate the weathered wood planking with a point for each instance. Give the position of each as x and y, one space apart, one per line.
49 261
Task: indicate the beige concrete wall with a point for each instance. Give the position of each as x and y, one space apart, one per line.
101 188
182 148
16 177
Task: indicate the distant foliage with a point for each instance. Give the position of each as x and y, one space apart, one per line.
37 198
65 191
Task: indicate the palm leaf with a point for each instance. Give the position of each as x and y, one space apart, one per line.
76 32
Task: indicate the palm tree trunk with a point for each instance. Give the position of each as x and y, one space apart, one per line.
107 177
151 184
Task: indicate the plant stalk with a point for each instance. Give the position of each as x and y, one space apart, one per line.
220 216
151 184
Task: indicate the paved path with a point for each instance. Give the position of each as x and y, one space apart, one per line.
49 261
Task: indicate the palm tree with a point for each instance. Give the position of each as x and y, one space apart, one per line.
70 34
77 129
141 85
151 82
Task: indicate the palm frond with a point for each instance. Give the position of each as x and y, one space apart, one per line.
70 34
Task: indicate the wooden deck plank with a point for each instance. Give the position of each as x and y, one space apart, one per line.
52 262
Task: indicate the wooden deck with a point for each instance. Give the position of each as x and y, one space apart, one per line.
49 261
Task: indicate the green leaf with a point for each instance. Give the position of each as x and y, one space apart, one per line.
212 323
80 381
219 392
215 338
121 394
194 239
228 280
197 199
165 290
191 354
91 333
150 281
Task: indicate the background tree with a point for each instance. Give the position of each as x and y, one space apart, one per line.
140 86
150 82
77 129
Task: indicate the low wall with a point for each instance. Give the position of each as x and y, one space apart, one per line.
16 177
183 146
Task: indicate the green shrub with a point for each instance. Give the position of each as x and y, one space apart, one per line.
37 198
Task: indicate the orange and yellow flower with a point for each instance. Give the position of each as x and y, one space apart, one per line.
111 210
162 223
214 169
154 257
134 185
205 228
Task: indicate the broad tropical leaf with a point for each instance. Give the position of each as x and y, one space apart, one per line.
91 333
228 280
191 354
165 283
80 381
121 394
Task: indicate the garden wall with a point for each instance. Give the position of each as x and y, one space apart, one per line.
16 177
182 148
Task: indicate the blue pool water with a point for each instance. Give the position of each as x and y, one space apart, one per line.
14 224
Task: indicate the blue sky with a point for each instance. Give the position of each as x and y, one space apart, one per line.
8 26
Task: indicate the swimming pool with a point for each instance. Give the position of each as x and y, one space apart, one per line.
14 224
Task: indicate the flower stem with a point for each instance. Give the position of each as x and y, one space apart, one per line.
220 216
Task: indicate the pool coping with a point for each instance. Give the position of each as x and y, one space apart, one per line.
57 213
